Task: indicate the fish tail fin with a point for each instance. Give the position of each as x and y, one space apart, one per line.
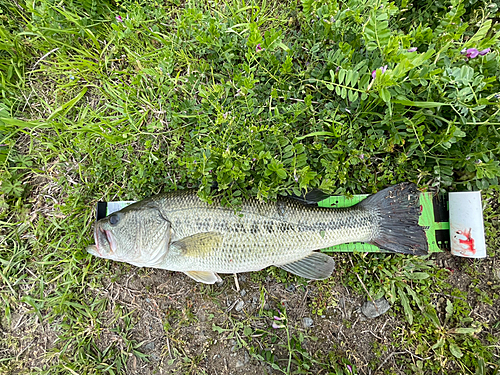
397 210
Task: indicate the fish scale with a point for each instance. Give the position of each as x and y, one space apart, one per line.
179 232
260 233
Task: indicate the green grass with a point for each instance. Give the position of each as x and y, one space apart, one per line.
265 98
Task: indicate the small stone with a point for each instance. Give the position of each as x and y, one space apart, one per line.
255 300
149 346
239 364
243 292
371 310
155 357
234 346
308 322
291 288
239 306
242 278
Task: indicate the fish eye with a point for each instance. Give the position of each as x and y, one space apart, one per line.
114 219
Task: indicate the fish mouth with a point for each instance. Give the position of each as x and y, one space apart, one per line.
111 240
103 233
100 233
94 249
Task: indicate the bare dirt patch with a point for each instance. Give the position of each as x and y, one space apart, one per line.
165 323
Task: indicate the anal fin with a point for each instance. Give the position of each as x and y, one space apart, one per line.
205 277
316 266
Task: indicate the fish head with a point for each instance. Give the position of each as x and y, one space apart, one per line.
136 234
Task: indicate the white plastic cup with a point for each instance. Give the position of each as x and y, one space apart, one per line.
466 224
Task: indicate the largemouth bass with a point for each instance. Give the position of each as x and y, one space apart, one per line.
179 232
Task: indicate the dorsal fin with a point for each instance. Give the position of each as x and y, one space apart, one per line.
312 197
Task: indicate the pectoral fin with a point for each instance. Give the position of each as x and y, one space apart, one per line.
316 266
200 244
204 276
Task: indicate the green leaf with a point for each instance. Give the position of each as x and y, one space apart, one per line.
314 134
449 309
247 331
480 369
343 93
376 31
385 95
342 76
349 77
332 75
455 350
419 104
406 305
479 35
353 95
431 314
415 297
465 330
68 105
418 276
283 46
217 328
438 344
281 173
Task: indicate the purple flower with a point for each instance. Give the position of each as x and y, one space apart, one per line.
254 159
296 179
471 53
349 368
276 325
119 18
382 68
258 48
412 49
277 318
362 156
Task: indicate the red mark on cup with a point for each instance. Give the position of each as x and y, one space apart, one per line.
467 243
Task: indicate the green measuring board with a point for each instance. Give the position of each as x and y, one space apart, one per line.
434 218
